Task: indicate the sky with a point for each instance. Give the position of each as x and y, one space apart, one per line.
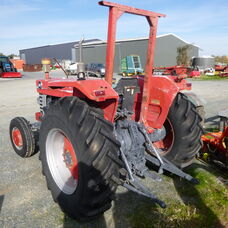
33 23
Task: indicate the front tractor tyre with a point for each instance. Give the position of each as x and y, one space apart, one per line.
22 137
183 132
78 151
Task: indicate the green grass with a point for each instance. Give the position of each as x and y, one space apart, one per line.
191 206
203 205
207 78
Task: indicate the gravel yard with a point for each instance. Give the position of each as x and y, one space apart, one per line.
24 198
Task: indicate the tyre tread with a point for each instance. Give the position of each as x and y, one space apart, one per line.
186 122
89 121
24 124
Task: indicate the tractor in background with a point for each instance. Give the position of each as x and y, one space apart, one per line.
93 137
7 70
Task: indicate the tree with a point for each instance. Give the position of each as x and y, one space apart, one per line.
1 54
182 55
11 56
221 59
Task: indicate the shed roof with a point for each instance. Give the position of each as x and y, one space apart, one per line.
66 43
102 42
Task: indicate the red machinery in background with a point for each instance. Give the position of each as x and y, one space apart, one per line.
215 145
177 71
221 70
17 63
7 69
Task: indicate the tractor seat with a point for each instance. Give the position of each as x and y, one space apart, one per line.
127 87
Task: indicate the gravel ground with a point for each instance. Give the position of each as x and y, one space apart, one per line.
214 95
24 198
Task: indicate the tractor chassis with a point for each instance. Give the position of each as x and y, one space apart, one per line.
136 152
134 163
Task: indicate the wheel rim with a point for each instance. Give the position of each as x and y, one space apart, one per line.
17 138
166 144
62 161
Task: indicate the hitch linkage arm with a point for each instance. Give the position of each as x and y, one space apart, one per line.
168 166
162 162
137 187
134 185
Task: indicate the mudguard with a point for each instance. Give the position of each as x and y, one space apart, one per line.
164 89
96 90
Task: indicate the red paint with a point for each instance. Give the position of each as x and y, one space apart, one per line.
224 72
194 73
156 93
107 100
73 165
114 14
131 10
115 11
178 71
17 63
174 70
38 116
109 107
163 91
17 137
10 75
218 141
220 67
47 75
148 71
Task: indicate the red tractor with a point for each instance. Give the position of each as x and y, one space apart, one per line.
93 137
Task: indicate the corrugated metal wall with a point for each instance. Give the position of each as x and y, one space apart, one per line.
165 52
59 51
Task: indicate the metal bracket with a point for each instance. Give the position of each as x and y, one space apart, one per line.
133 184
151 147
137 187
168 166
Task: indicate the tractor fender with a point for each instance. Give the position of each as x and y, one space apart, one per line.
163 91
97 92
162 94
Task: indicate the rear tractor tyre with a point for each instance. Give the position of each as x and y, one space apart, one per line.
78 151
183 132
22 137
